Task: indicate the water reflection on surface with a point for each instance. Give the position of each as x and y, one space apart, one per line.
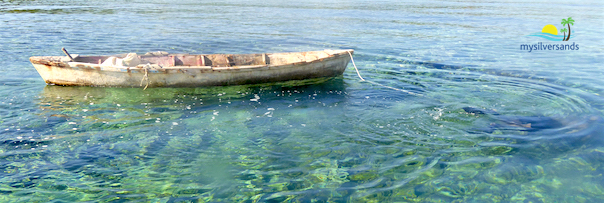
478 120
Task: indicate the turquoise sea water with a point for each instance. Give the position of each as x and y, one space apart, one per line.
540 138
551 37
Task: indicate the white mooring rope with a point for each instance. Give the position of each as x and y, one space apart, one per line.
355 66
145 77
375 83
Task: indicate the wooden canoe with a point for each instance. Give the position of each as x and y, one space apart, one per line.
185 70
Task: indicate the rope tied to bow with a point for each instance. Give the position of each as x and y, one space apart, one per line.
375 83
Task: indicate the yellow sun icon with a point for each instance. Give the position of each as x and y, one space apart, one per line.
550 29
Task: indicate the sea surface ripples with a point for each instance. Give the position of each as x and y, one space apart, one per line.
454 112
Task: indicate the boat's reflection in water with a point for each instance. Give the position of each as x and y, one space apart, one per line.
108 103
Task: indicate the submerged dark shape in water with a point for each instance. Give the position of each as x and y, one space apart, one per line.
521 123
540 136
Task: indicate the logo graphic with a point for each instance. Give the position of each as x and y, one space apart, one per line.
550 32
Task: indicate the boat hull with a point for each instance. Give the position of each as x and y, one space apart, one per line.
57 72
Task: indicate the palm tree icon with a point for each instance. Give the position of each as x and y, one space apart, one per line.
568 22
563 31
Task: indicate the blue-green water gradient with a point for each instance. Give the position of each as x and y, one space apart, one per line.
480 120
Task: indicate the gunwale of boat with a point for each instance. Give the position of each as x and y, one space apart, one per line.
195 61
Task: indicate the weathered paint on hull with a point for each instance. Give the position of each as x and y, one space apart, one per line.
86 74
